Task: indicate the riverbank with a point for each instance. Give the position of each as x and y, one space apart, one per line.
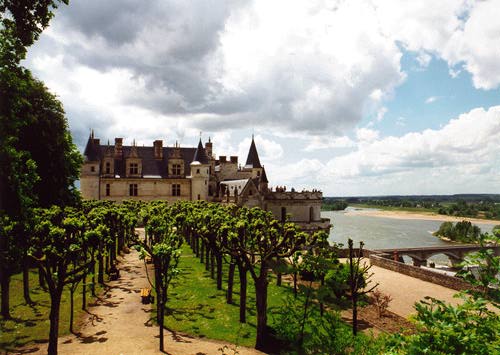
430 216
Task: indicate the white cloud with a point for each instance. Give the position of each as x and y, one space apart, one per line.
464 155
365 135
431 99
322 142
268 149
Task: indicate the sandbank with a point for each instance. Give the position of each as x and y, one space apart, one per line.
417 215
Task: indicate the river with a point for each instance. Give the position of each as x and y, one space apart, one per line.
384 232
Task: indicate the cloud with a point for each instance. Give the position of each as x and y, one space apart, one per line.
322 142
463 154
431 99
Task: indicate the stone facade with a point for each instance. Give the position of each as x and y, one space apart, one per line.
173 173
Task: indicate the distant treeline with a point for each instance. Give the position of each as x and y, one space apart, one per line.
463 205
482 209
334 205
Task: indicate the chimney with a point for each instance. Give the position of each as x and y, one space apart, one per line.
158 149
208 148
222 158
234 159
118 148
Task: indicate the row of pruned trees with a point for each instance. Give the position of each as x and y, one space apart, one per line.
251 240
69 246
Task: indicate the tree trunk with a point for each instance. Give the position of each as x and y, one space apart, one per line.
5 288
354 314
161 303
261 302
212 265
71 307
201 253
84 291
100 268
230 282
41 280
55 303
243 292
92 287
278 279
219 271
26 281
207 259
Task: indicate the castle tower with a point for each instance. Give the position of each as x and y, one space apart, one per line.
253 161
200 173
89 177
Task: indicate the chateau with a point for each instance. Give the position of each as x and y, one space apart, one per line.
117 172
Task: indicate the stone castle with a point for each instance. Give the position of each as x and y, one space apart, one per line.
117 172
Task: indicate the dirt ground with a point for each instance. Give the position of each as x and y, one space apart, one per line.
120 324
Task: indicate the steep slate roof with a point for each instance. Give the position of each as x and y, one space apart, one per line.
92 149
253 157
150 165
200 155
263 176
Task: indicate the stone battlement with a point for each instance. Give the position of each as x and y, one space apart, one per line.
294 195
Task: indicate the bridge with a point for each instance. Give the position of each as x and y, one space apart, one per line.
419 256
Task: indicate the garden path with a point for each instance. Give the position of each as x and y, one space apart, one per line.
120 324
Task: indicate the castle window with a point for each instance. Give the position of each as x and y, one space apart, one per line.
108 190
134 169
176 190
258 173
197 171
199 197
250 192
176 169
92 168
108 167
132 190
311 214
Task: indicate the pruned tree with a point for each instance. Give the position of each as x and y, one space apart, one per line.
57 247
359 280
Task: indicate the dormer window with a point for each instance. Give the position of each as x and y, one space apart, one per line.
134 168
176 169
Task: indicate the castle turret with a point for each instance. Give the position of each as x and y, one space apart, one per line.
89 177
253 161
200 173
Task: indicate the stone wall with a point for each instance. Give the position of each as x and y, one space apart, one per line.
419 273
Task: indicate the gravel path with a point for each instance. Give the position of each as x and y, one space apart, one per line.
406 290
120 324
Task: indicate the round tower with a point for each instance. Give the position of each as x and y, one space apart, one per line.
200 174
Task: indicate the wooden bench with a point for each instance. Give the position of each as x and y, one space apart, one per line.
146 296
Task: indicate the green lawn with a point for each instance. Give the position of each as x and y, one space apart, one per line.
197 308
31 323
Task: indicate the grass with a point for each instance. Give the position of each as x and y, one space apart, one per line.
196 307
30 324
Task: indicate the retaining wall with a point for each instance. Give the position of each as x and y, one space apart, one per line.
419 273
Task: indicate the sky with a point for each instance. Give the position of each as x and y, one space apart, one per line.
352 97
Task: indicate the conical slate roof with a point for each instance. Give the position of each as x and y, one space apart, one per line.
263 176
200 155
92 150
253 157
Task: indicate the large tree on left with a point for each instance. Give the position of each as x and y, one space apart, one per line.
29 112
